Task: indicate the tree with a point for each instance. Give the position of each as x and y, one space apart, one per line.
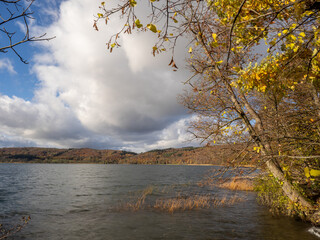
15 17
266 97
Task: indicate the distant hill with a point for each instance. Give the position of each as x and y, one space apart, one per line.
54 155
217 155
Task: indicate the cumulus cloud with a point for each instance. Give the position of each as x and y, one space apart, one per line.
6 65
87 97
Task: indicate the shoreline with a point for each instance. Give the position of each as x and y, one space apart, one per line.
160 164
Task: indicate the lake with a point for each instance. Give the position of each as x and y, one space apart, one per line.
92 201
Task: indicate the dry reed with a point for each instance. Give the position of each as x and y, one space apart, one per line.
139 203
238 183
180 203
194 202
183 203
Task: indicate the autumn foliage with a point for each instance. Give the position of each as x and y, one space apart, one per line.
256 71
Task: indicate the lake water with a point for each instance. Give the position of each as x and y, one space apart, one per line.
87 201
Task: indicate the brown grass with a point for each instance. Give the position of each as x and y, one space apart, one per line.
182 203
179 203
139 203
194 202
239 183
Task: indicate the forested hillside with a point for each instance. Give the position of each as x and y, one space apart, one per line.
218 155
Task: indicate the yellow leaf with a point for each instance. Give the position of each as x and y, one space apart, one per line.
307 172
214 36
152 27
302 34
133 3
100 15
190 50
314 52
221 61
291 45
293 37
103 3
315 173
138 24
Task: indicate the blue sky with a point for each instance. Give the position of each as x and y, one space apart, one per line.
73 93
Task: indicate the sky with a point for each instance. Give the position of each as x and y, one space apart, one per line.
74 93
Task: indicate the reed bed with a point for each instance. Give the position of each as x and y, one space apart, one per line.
238 184
183 203
179 202
194 202
139 203
234 184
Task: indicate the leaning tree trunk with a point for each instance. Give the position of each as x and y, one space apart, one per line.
272 164
256 133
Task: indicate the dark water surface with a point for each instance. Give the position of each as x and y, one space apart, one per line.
85 201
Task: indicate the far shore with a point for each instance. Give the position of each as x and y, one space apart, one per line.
169 164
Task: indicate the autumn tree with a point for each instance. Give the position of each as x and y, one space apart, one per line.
15 17
256 68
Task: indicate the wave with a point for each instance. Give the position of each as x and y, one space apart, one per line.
315 231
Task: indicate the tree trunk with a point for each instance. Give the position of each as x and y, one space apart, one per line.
272 163
256 133
287 187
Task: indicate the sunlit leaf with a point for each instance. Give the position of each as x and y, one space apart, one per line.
138 24
133 3
152 27
214 36
315 173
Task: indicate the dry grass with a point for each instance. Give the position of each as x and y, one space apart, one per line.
239 183
178 203
139 203
194 202
227 201
182 203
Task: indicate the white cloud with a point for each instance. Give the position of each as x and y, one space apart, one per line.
174 136
5 64
89 97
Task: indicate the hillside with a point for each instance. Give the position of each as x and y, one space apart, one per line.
54 155
217 155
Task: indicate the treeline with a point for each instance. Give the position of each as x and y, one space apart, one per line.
217 155
54 155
